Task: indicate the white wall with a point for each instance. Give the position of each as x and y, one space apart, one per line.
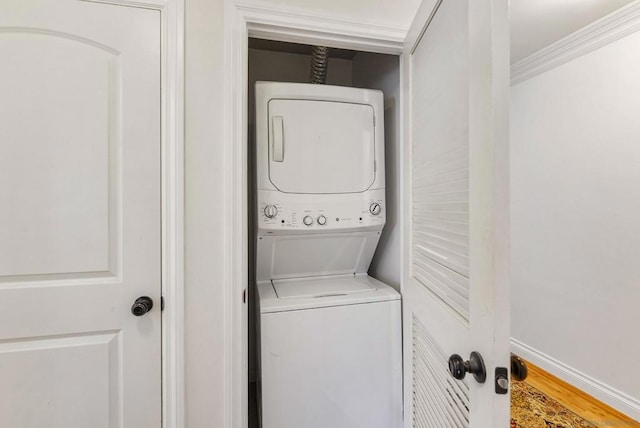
375 71
204 187
575 138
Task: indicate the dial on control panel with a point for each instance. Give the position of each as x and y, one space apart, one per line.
270 211
375 208
307 220
322 220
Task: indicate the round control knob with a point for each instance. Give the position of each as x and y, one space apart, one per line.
375 208
307 220
322 220
270 211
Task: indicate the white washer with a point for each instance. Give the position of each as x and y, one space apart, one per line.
330 353
330 335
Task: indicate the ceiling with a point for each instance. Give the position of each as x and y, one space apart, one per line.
536 24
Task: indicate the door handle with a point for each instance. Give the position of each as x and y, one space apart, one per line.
277 127
141 306
519 369
459 367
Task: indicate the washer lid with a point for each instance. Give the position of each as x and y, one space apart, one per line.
321 292
315 287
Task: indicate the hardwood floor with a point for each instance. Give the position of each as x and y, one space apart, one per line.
577 401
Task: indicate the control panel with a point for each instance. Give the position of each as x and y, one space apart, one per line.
287 212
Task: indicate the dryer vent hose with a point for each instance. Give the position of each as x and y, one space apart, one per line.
319 63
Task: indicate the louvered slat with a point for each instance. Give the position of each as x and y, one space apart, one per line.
440 216
438 400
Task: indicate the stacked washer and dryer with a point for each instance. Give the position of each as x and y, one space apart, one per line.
330 351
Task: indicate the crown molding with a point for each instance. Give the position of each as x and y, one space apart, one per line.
609 29
266 20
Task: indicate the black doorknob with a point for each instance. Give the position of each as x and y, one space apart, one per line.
141 306
519 369
459 367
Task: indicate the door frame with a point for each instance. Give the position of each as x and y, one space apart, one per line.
244 20
172 31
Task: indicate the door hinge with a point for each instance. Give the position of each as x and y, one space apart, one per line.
244 296
162 303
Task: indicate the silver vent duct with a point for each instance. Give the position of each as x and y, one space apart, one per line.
319 63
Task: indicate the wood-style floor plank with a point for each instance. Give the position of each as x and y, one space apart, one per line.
577 401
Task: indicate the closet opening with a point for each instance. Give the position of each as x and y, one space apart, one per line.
276 61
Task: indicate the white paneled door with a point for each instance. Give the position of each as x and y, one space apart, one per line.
79 215
455 258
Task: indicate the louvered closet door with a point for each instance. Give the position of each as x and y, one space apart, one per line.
455 262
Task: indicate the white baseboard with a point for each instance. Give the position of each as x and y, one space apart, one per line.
618 400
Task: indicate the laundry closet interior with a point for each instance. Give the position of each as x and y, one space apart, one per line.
276 61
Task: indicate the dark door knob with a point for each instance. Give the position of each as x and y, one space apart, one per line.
459 367
519 370
141 306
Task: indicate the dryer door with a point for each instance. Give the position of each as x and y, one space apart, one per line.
321 146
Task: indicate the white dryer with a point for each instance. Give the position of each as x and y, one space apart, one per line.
330 335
